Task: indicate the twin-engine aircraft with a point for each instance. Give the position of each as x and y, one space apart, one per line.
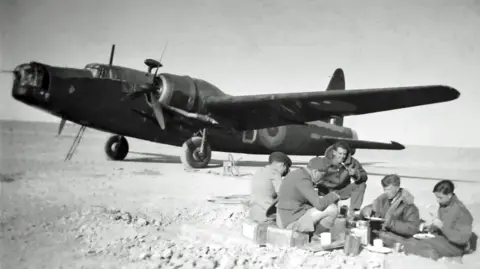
193 113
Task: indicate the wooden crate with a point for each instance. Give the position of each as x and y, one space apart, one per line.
263 234
282 237
255 231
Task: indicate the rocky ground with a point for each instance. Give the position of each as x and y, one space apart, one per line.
100 237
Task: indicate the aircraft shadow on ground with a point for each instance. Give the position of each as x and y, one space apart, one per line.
164 158
7 178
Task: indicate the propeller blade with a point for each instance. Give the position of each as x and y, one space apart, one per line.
60 127
6 71
157 108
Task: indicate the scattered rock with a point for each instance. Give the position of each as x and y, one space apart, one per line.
142 222
144 256
167 253
227 262
132 239
126 217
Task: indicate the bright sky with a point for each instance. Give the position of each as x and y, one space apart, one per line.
249 47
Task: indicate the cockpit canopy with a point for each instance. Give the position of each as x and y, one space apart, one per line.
118 73
100 71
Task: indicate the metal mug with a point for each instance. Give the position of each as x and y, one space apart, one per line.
398 247
344 211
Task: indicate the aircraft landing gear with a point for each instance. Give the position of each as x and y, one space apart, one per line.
116 147
196 152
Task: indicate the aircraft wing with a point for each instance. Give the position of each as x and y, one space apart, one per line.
270 110
364 144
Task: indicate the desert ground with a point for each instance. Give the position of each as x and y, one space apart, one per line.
148 212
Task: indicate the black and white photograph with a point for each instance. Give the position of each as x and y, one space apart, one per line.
239 134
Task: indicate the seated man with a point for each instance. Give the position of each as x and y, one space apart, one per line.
396 206
345 176
265 184
453 227
299 207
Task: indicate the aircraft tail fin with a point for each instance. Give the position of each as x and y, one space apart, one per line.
337 83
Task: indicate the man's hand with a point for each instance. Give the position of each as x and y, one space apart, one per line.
388 222
424 227
367 212
352 172
437 223
337 197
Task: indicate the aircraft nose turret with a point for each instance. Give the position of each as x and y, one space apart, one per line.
30 85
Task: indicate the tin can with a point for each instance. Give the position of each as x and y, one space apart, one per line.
364 233
352 245
351 224
362 224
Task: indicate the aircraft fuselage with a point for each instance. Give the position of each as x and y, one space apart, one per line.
90 98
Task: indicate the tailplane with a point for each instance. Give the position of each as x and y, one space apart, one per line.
337 83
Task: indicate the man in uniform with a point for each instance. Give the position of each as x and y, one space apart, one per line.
264 187
397 209
344 175
453 227
299 207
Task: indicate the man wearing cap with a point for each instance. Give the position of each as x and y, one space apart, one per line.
264 186
299 207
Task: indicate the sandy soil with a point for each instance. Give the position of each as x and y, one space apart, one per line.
148 212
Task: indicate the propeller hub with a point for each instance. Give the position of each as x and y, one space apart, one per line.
146 86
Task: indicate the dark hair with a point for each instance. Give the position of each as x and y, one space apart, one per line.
444 186
392 179
280 157
342 145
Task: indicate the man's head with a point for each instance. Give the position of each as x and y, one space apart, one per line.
443 191
317 166
340 152
281 162
391 185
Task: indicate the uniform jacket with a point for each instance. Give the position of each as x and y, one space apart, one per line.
401 215
454 238
457 222
337 176
263 193
297 195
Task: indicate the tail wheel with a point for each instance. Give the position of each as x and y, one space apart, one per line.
192 157
116 148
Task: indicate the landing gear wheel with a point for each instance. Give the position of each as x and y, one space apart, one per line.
192 157
116 148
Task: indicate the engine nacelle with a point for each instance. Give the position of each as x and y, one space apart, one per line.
177 91
184 92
